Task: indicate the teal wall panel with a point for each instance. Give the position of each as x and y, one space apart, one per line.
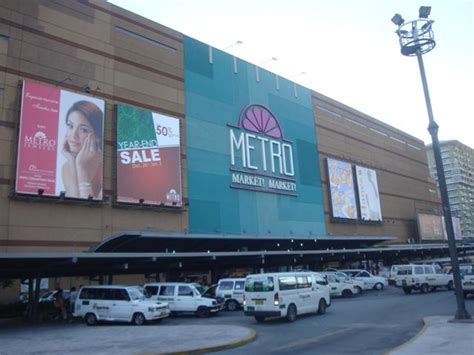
287 203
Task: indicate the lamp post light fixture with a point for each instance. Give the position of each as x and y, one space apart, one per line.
416 38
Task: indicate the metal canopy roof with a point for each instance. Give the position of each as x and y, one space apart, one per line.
24 265
139 241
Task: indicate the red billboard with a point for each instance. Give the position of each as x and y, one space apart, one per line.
60 144
148 158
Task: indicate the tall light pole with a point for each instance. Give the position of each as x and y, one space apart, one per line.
416 38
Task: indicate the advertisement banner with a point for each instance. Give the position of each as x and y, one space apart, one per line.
148 158
430 227
60 145
341 185
369 198
456 228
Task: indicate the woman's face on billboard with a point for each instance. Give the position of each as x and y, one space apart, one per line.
78 129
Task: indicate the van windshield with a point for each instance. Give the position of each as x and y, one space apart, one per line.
259 284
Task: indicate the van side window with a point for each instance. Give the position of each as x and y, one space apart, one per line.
152 290
303 282
418 270
226 285
167 291
185 291
428 270
121 295
239 285
287 282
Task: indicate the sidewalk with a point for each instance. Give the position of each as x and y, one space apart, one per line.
124 339
440 336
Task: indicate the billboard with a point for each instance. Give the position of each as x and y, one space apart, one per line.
148 157
60 145
342 191
456 228
430 227
369 198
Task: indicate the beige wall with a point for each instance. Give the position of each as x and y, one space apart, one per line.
50 42
398 158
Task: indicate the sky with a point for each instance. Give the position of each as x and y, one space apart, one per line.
348 50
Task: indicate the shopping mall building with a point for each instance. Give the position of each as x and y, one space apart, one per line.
129 148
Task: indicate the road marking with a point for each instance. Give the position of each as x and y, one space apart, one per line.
308 341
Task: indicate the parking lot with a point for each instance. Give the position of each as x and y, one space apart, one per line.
371 323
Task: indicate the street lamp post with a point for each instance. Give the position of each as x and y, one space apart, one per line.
416 38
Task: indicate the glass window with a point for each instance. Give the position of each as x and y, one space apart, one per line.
419 270
239 285
287 282
303 281
167 291
185 291
404 271
226 285
428 270
121 295
136 294
152 290
259 284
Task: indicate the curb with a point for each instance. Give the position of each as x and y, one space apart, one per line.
234 344
411 340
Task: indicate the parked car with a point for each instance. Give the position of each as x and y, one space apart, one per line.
370 281
359 285
467 279
285 294
117 303
184 298
232 291
49 296
423 278
340 286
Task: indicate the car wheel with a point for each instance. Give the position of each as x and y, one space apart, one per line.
407 290
203 312
424 288
91 319
450 285
346 293
259 319
138 319
322 306
378 286
359 290
291 313
232 305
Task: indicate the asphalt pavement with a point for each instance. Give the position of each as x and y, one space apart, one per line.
440 335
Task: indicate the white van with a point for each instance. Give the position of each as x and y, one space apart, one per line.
467 279
285 294
117 303
184 298
423 278
232 291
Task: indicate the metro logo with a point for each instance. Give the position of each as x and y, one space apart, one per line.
261 159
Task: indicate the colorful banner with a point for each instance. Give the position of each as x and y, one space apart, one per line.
341 185
369 198
148 158
60 145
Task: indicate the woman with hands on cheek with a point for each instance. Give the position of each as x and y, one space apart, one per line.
82 147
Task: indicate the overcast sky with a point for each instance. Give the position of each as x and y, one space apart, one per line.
348 49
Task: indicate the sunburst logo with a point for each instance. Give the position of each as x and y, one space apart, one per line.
172 196
39 141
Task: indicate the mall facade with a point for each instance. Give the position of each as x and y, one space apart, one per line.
189 150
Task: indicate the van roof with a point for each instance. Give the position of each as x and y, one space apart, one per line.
288 273
171 283
109 286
